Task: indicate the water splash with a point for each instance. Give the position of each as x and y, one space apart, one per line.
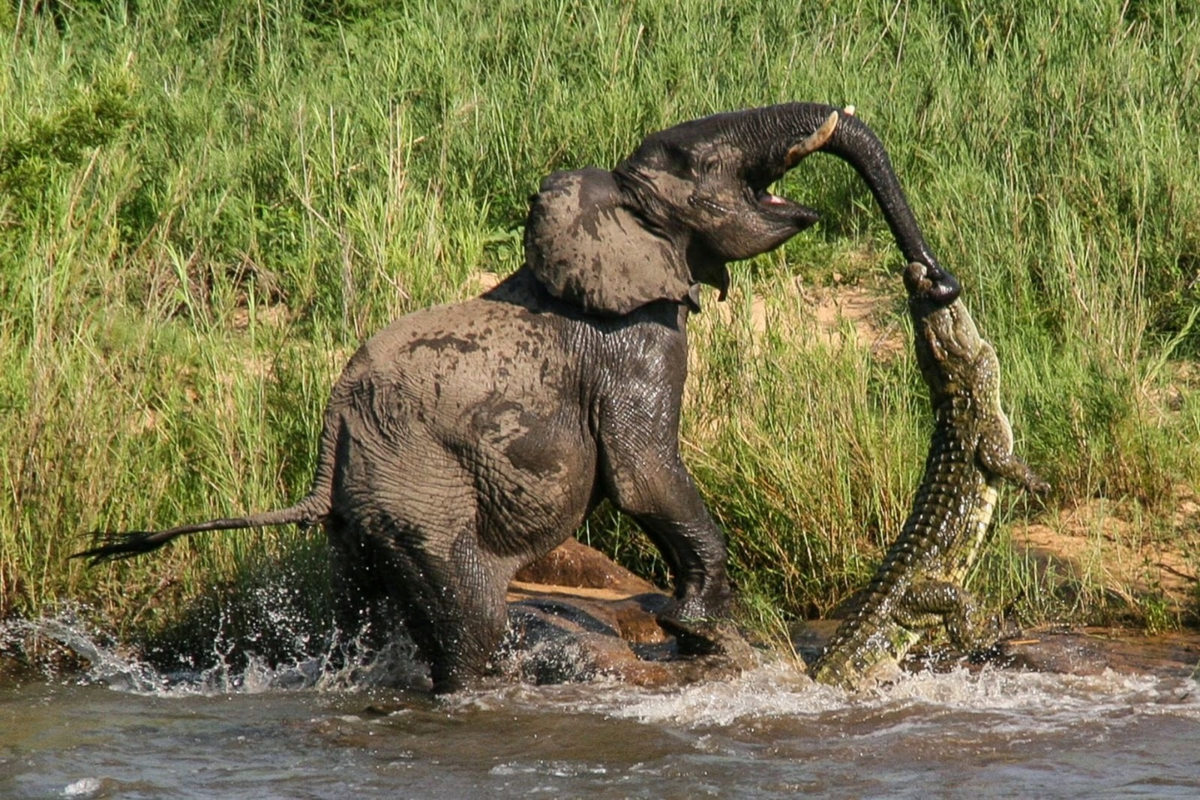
1010 700
84 787
1006 702
67 633
123 668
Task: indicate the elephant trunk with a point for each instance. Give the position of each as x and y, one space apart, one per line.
854 142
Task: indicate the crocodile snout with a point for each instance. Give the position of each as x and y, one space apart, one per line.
931 283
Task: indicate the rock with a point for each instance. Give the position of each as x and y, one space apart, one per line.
576 614
809 637
575 564
1090 651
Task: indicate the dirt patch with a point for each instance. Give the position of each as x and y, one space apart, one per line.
480 282
276 316
1113 546
1166 389
861 314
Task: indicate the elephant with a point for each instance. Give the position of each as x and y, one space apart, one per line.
464 441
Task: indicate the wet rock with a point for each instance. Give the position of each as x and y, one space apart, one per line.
809 637
1090 651
576 615
554 641
712 638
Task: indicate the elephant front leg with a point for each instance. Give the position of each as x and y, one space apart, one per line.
695 551
644 477
675 519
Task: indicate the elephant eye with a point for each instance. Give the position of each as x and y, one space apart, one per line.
711 164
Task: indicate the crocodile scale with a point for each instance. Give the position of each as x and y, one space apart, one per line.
919 585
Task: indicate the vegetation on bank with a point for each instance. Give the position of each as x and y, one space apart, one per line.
205 205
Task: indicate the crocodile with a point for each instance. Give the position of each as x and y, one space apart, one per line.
919 585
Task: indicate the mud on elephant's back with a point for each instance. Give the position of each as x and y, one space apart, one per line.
575 614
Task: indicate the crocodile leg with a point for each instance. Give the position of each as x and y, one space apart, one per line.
971 629
1000 461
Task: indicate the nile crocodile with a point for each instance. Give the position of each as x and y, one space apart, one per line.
919 585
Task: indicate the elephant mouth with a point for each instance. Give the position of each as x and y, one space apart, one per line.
781 206
772 205
773 200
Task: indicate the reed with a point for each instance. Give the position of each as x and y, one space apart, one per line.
205 206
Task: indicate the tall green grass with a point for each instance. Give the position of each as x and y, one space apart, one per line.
206 205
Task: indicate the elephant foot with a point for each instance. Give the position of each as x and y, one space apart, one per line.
711 638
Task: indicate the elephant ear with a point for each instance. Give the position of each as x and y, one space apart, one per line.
588 249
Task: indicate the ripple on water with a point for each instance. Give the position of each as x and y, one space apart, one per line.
770 733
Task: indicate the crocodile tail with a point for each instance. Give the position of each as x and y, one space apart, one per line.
313 509
833 669
847 655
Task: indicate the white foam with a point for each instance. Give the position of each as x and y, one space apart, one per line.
1016 699
84 787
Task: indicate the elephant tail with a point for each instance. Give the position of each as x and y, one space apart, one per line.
113 546
312 510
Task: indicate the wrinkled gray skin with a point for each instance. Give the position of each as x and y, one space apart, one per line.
464 441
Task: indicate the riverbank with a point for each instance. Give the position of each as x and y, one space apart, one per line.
579 617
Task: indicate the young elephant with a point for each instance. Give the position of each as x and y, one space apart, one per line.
464 441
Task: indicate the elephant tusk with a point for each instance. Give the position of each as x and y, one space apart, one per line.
811 143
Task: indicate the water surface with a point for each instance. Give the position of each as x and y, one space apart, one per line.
123 730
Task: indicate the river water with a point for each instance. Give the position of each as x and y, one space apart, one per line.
124 730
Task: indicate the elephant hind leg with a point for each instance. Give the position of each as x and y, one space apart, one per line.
452 604
469 615
359 587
